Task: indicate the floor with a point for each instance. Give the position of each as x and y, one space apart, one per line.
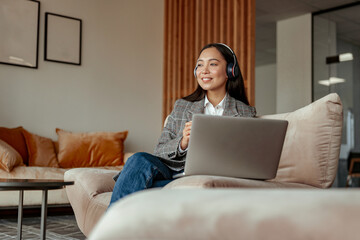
58 227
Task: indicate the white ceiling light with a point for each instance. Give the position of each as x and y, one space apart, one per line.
331 81
346 57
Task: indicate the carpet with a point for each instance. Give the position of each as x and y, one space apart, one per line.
58 227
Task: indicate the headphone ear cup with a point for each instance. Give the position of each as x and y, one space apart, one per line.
195 71
229 70
236 71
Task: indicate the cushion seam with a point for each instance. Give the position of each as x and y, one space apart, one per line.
329 150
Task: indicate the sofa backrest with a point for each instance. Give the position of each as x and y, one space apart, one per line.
311 149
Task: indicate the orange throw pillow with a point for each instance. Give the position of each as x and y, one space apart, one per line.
9 157
95 149
41 150
15 138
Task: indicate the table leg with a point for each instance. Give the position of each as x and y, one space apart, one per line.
20 214
44 214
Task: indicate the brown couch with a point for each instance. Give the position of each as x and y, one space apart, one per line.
309 160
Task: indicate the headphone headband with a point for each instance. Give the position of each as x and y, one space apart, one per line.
232 52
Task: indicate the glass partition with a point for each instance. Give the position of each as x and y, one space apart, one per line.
336 69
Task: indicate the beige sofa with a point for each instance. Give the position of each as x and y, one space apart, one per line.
25 155
308 162
34 198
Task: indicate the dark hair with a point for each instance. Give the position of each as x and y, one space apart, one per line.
234 87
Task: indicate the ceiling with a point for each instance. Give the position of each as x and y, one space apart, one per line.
268 12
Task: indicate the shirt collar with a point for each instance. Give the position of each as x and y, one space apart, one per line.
221 104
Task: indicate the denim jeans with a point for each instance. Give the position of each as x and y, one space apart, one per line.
141 171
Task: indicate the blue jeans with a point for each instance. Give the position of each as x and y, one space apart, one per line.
141 171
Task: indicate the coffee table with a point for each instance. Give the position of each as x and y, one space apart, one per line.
22 185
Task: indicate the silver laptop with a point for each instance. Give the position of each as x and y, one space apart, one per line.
234 147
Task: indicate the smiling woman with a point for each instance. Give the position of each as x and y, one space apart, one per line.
199 23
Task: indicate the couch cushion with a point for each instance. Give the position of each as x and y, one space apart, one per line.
41 150
91 149
312 143
232 214
11 198
205 181
9 157
14 137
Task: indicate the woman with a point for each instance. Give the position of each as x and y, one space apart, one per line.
220 91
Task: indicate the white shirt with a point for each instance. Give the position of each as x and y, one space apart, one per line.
209 109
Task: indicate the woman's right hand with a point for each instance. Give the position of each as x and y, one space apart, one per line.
186 136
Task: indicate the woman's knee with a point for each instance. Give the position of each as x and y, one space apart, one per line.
141 155
144 162
141 158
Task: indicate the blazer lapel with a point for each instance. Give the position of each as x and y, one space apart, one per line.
196 108
230 107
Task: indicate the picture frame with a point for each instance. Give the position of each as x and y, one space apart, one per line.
63 37
19 28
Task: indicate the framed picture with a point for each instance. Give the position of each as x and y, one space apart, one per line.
19 33
62 39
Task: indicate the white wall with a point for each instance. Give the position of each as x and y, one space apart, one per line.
293 49
265 89
117 87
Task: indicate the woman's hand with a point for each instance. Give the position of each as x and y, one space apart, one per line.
186 136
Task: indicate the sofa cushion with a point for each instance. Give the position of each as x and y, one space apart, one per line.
90 149
232 214
14 137
11 198
312 143
207 181
9 157
41 150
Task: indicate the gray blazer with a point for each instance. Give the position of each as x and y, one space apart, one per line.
167 148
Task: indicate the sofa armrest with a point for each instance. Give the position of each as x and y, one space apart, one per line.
205 181
92 181
90 195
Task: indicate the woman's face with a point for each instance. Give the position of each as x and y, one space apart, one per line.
211 71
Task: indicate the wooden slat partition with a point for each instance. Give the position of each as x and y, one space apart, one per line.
190 25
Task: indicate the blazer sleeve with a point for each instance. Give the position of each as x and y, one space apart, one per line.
171 135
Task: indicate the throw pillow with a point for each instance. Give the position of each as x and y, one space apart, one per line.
9 157
90 149
312 144
41 150
14 137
